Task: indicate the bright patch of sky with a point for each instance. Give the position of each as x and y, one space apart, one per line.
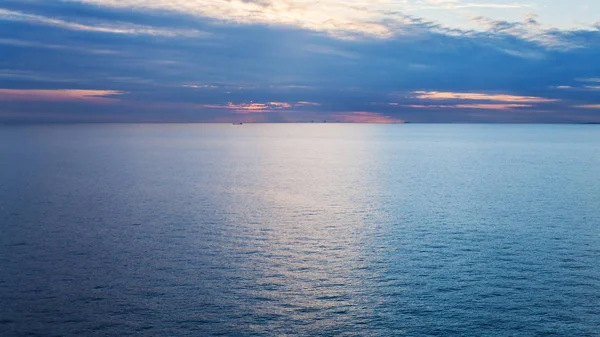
383 18
559 14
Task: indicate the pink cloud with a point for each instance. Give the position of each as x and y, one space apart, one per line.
280 105
59 95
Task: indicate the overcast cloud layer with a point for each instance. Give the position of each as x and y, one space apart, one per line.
382 61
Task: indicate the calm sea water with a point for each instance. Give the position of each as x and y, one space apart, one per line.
274 230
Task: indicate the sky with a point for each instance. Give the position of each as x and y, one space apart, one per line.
365 61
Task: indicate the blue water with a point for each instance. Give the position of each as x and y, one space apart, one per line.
273 230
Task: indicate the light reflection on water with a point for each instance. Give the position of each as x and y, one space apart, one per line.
300 229
306 222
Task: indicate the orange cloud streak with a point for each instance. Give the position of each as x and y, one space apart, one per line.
472 106
438 95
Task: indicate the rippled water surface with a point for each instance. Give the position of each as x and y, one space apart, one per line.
366 230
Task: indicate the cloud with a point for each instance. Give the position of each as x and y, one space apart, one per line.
35 44
62 95
200 86
280 105
245 108
241 108
385 19
304 103
529 30
588 106
472 106
101 28
335 17
253 107
435 95
276 61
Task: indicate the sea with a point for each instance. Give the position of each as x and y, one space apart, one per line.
299 230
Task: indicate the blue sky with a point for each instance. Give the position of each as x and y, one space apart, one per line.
297 60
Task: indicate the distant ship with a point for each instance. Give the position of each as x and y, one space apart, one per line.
237 123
